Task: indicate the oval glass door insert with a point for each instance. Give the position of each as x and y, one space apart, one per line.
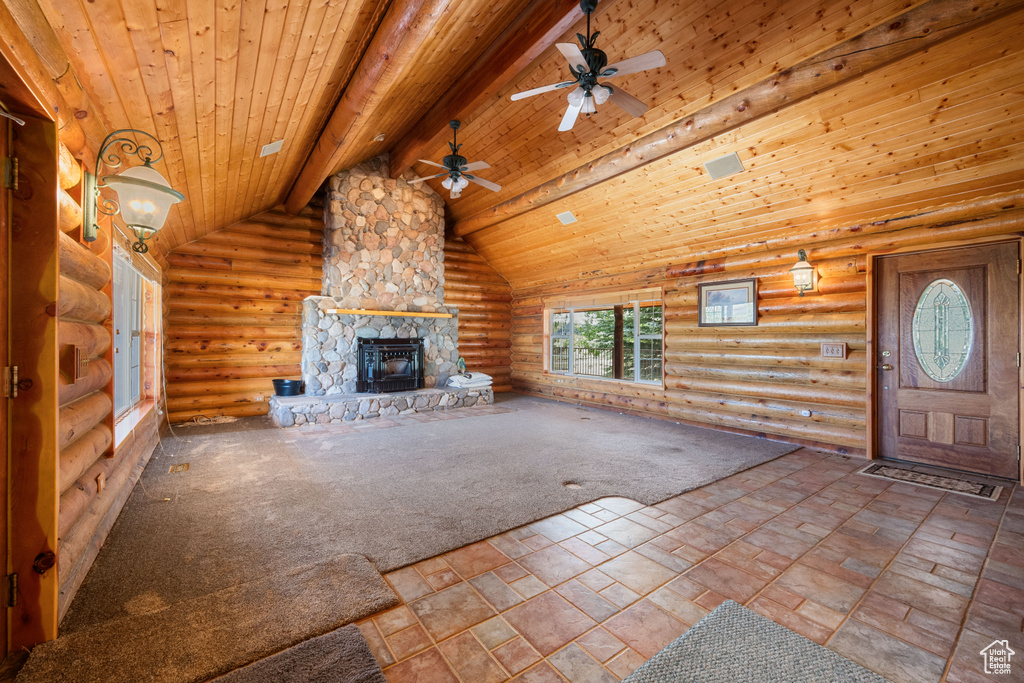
943 330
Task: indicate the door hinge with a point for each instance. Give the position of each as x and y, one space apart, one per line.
12 590
1018 266
11 382
1018 359
10 173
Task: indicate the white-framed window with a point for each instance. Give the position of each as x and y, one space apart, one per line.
128 335
607 336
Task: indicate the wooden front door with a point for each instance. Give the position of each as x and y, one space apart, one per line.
946 358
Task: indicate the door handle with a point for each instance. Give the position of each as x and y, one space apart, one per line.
886 367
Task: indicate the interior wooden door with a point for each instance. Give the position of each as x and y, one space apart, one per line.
5 274
946 357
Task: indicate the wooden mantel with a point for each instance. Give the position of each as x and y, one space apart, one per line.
394 314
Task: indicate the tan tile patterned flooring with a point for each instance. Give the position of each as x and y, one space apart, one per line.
908 581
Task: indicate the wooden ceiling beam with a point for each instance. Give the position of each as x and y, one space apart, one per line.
535 30
911 32
404 28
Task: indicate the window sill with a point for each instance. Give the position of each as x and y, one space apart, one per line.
657 383
127 422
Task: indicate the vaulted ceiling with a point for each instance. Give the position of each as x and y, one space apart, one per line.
218 80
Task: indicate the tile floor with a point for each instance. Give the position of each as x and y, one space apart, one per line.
908 581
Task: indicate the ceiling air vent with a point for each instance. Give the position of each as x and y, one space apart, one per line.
272 148
566 217
724 166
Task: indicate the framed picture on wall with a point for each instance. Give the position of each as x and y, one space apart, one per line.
727 303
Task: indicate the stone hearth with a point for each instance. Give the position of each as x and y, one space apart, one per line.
296 411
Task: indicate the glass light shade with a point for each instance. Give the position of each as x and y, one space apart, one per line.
803 275
144 196
576 96
588 105
601 94
447 183
460 184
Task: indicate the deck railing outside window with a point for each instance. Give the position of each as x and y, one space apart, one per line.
584 340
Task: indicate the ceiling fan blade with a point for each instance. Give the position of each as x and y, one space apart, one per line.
569 120
626 102
494 187
475 166
542 89
430 163
650 60
429 177
573 55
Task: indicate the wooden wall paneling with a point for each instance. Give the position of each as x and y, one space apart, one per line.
712 50
533 32
270 42
33 474
296 41
485 313
760 379
404 27
99 510
281 122
249 42
145 68
744 208
233 322
176 44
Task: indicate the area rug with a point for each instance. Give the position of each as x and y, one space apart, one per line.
733 644
968 486
194 640
340 656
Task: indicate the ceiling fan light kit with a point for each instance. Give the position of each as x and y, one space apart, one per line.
456 169
587 64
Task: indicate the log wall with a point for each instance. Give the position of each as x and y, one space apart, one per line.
483 298
763 379
93 477
233 313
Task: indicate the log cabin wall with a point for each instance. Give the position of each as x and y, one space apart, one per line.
483 298
233 313
95 477
763 379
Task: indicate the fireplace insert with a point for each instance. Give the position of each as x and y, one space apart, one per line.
387 365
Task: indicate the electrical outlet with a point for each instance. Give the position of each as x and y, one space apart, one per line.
833 350
805 413
258 399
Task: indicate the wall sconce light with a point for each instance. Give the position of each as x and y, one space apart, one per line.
144 197
803 274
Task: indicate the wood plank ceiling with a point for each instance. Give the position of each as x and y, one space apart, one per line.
217 80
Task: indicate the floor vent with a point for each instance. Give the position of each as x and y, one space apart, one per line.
183 467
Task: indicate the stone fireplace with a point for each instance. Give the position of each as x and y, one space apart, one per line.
383 279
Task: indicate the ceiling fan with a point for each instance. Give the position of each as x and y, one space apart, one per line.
589 64
455 167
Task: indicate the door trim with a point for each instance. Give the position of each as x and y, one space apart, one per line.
871 418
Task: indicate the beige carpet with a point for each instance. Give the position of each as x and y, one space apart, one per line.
194 640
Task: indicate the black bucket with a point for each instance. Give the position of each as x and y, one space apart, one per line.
287 387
